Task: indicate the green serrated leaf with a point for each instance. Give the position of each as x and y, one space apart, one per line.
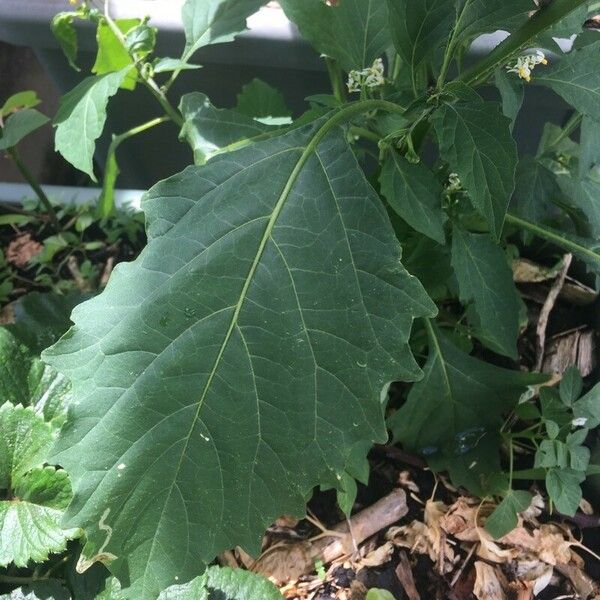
208 129
506 515
40 319
585 194
512 94
30 516
354 32
571 386
40 590
24 443
224 584
474 17
26 380
475 140
472 461
458 398
19 101
590 146
536 191
66 34
563 486
20 125
214 21
485 278
81 116
415 194
269 269
576 78
112 56
419 29
259 100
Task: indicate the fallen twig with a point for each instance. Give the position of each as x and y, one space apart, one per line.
547 309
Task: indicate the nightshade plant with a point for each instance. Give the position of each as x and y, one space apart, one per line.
244 357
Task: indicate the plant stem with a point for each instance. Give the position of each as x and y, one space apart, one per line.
571 125
147 80
337 79
14 154
365 133
106 204
540 21
554 237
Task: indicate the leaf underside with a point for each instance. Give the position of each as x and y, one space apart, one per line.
239 360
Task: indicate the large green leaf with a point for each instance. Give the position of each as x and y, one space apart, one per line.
214 584
31 513
239 360
457 400
214 21
354 32
20 125
590 146
224 584
413 192
512 94
485 278
261 101
475 139
81 116
536 191
419 28
474 17
586 195
588 408
40 319
112 55
208 129
577 79
26 380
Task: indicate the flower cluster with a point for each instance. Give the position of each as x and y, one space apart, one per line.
526 64
371 77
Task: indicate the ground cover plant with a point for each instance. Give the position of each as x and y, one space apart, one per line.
311 287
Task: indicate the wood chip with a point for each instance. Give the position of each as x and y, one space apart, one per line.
405 577
576 347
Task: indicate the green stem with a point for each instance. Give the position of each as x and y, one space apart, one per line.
571 125
450 48
543 19
14 154
337 79
147 80
554 237
511 463
365 133
349 110
397 65
106 204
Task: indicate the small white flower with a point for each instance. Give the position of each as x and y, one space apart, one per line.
371 77
454 183
526 64
580 422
